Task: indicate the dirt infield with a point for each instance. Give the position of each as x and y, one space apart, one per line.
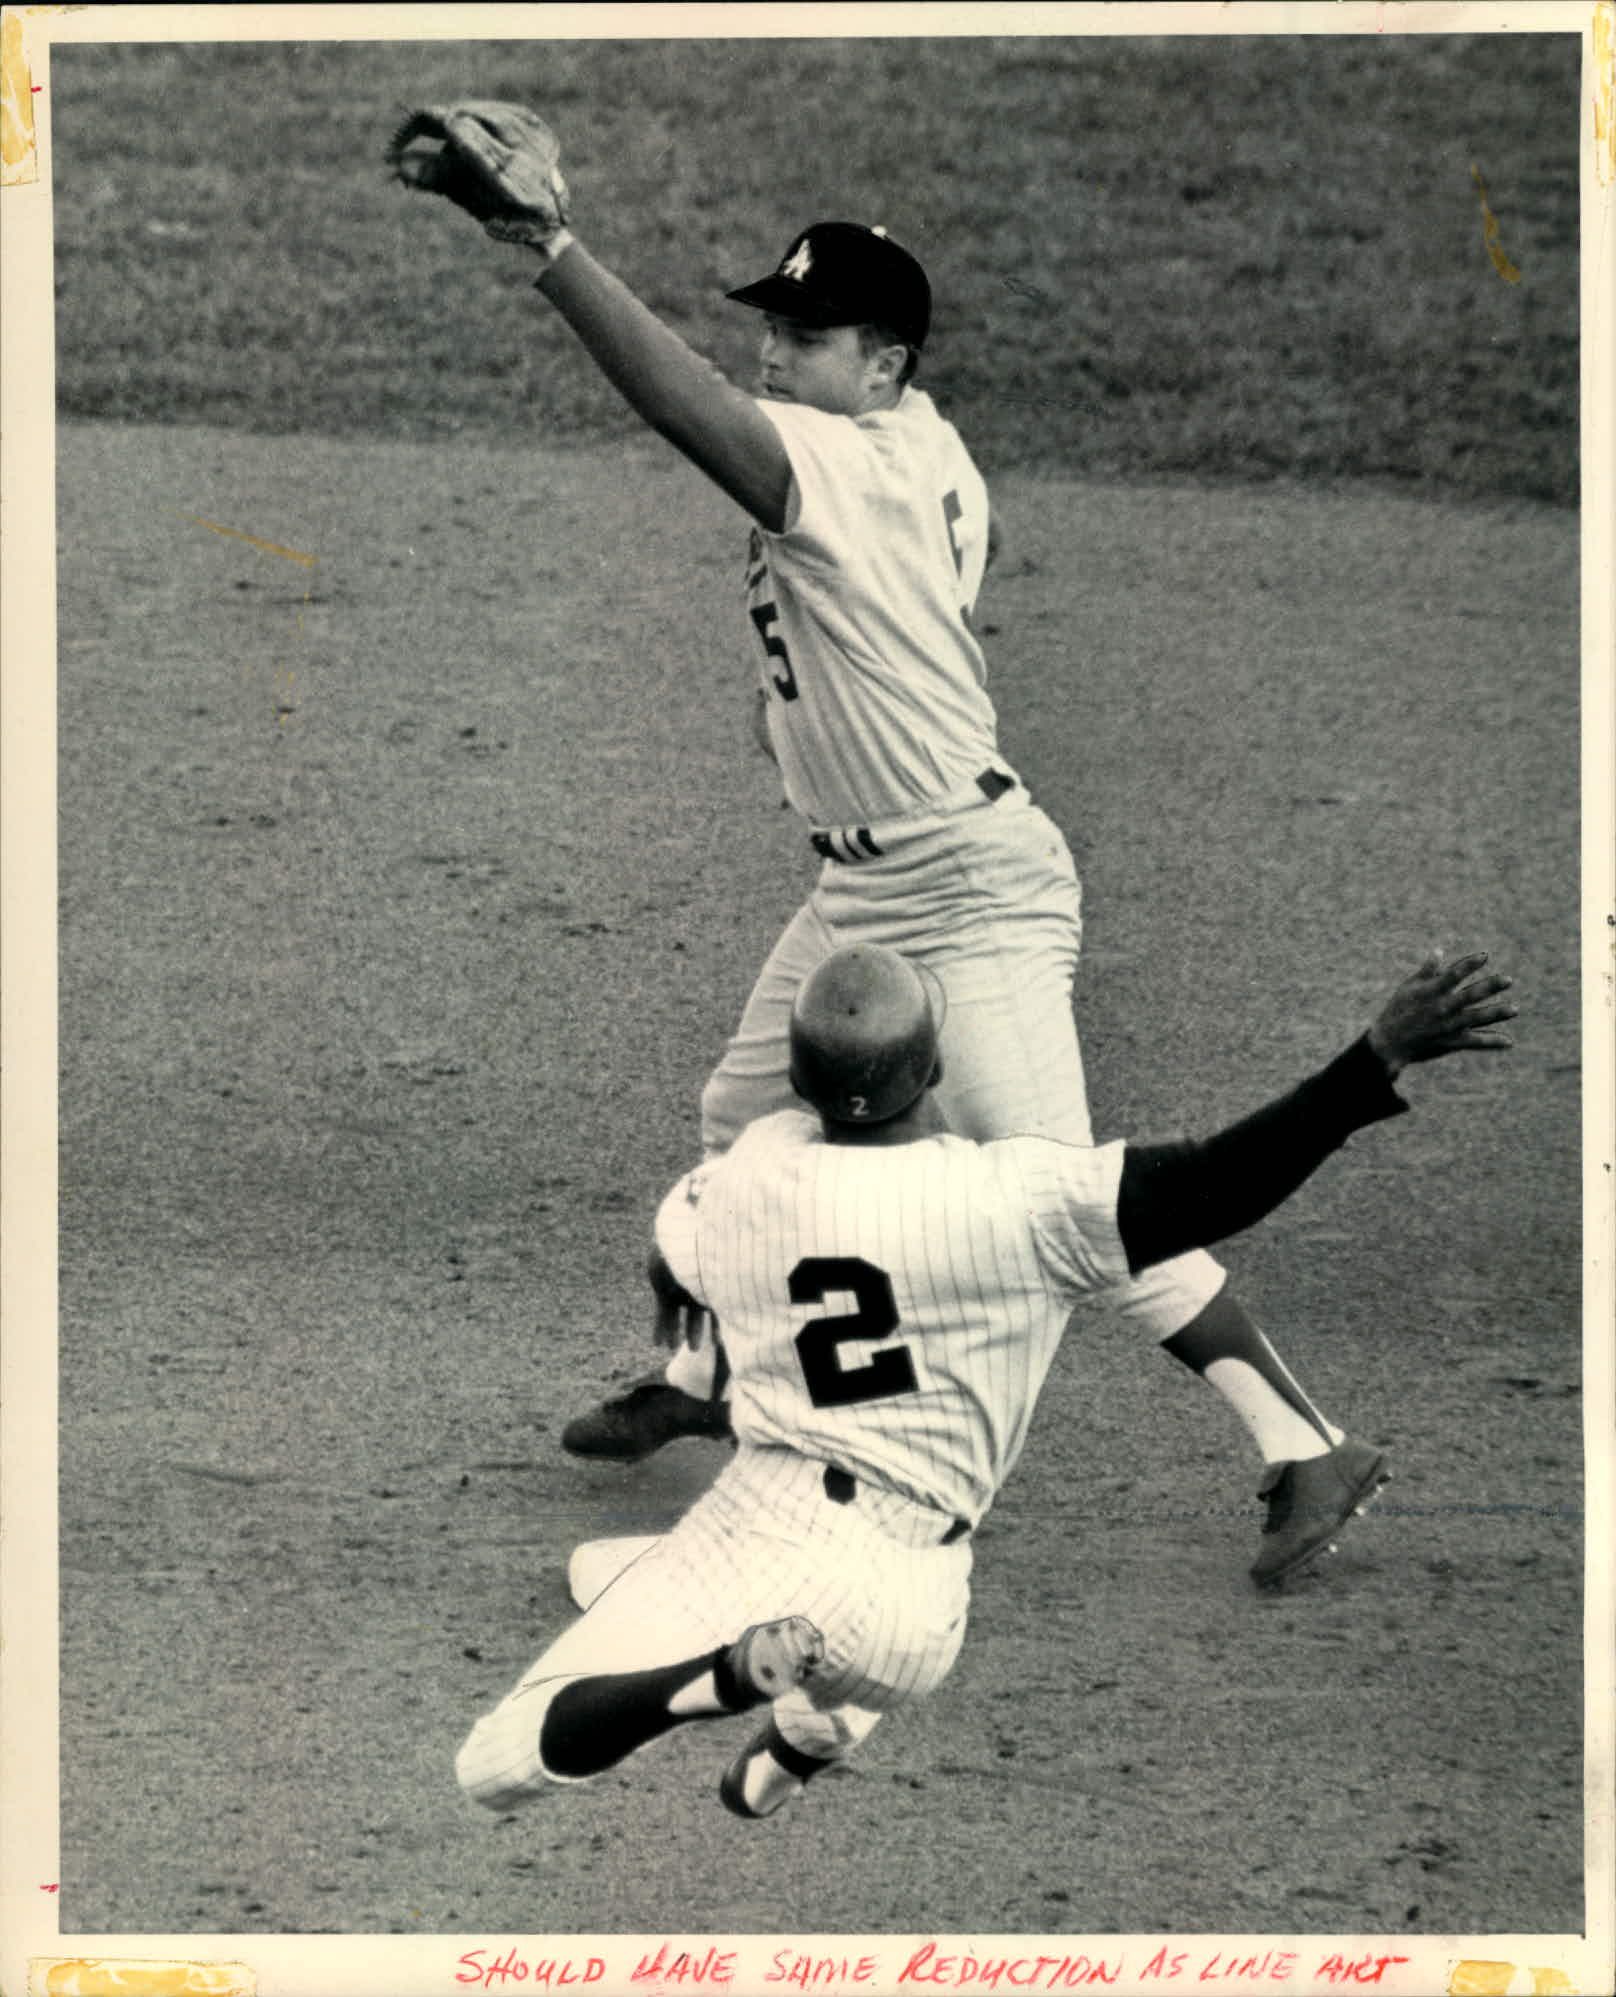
408 892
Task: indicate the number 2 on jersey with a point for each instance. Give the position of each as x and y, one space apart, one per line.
831 1384
764 616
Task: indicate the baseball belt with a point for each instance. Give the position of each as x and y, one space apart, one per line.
841 1487
852 843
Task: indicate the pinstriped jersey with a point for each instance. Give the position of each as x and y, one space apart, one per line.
876 698
893 1309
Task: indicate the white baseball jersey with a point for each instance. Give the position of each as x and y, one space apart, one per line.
876 688
893 1309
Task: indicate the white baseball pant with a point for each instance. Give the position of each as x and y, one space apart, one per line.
875 1576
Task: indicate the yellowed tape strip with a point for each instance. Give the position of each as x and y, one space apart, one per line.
1506 1979
1604 34
113 1976
19 150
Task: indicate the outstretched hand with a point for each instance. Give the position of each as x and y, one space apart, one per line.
1442 1009
680 1318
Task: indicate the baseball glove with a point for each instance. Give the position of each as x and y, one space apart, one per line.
500 162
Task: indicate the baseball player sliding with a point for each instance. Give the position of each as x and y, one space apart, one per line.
870 537
891 1296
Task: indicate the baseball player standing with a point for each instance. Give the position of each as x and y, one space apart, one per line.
892 1296
870 537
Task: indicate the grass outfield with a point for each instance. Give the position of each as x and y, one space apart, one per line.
1234 258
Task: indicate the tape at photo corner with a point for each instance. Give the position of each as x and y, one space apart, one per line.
126 1976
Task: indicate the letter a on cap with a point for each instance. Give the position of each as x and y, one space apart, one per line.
798 264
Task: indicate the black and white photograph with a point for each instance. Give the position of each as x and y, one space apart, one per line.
808 875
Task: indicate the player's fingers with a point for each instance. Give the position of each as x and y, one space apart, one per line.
1461 1005
1495 981
1485 1015
423 170
1462 1034
1462 968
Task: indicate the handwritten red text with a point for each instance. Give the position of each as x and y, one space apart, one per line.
544 1972
807 1972
669 1965
1009 1972
1357 1968
1271 1966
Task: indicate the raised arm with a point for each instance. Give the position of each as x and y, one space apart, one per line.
1188 1195
502 164
683 397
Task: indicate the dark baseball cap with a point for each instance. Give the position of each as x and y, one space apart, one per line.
844 274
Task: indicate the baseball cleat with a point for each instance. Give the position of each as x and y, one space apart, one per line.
771 1658
766 1775
1309 1502
639 1423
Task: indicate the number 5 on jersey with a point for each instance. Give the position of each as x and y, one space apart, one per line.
764 616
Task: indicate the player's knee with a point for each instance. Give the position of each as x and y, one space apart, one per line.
493 1770
1171 1295
499 1764
732 1099
721 1117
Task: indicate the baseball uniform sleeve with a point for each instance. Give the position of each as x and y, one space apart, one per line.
822 449
1186 1195
1071 1203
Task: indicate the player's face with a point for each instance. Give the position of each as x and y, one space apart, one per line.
823 367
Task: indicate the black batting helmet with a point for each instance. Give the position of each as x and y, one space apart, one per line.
864 1031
